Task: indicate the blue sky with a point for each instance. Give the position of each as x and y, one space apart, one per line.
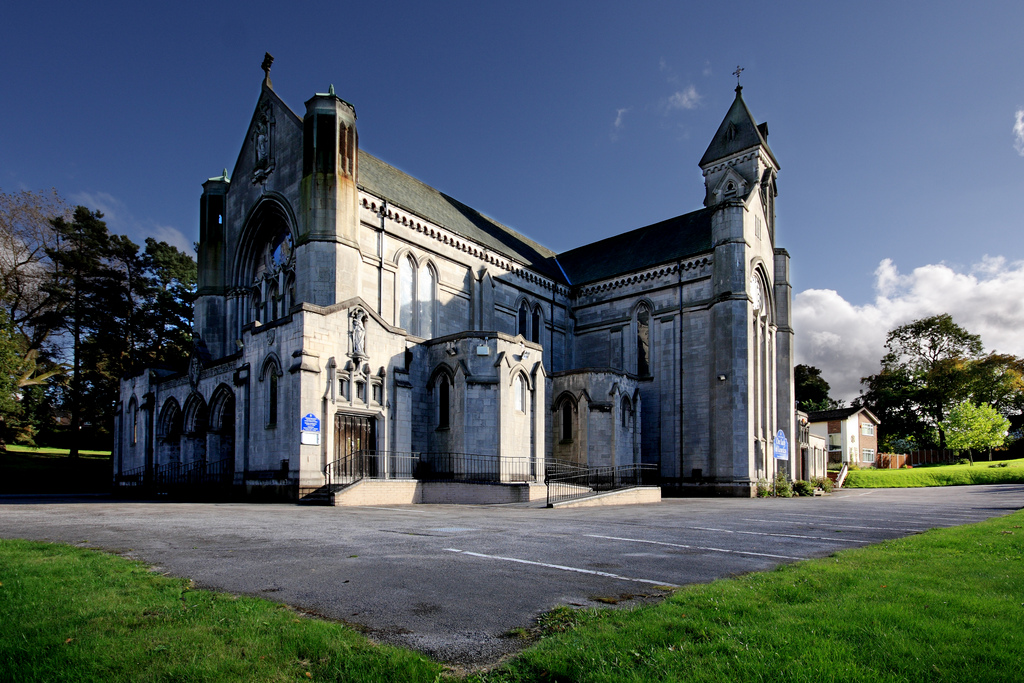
901 182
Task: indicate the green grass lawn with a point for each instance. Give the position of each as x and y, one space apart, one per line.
982 472
50 470
947 605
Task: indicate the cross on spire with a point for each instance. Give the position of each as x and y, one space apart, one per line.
736 73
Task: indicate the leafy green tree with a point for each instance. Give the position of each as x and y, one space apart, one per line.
969 427
173 277
929 368
812 390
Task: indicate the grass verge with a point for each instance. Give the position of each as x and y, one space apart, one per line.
50 470
947 605
982 472
69 614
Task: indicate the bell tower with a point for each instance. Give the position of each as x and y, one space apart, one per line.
328 247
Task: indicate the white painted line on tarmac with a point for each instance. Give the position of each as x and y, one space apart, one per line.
766 533
697 547
562 567
830 524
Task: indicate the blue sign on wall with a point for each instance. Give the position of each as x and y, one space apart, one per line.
781 446
311 423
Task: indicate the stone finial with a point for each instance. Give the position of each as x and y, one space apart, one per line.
268 59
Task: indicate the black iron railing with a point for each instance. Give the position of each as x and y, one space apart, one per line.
572 482
371 465
167 477
439 466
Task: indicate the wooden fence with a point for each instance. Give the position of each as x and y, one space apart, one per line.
930 456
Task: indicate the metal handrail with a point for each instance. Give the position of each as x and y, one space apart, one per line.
436 466
571 485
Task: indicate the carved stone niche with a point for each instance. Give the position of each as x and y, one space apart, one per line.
263 144
357 334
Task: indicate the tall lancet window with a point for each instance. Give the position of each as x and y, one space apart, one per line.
425 298
407 291
643 341
524 314
535 330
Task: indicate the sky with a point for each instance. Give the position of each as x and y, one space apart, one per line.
899 127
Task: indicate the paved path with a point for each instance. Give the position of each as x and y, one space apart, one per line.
450 580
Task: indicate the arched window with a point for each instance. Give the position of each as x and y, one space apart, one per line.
417 296
535 329
272 400
524 313
254 302
519 389
627 412
443 403
643 341
566 421
407 289
133 408
425 298
273 269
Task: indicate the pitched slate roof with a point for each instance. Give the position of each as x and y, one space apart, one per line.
838 414
664 242
417 197
738 132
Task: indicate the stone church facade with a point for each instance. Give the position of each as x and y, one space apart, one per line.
345 306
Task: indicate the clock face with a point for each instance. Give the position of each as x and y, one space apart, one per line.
755 292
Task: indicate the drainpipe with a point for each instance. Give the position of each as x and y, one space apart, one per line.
383 213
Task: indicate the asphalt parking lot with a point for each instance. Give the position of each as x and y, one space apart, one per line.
451 580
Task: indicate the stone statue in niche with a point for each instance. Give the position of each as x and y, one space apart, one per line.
262 142
358 334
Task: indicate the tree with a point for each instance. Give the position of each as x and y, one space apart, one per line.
812 390
971 426
929 367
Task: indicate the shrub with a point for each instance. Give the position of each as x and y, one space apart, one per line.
824 483
803 488
1000 464
962 461
783 488
764 489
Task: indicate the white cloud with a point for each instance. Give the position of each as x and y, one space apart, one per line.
1018 132
707 69
847 341
685 99
619 115
120 220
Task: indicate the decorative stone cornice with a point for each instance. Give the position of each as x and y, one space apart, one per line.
652 274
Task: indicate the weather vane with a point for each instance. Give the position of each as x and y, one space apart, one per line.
736 73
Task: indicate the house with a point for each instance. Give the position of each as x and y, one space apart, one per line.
852 434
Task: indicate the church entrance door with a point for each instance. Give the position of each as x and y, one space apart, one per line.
354 433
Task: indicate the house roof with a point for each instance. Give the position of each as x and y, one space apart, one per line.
738 132
415 196
839 414
664 242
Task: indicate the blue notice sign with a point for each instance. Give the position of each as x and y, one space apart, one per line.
311 423
781 446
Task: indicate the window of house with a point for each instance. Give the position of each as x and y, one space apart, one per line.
425 298
867 429
867 454
361 391
535 328
378 393
134 408
643 341
835 442
343 388
566 421
519 389
524 314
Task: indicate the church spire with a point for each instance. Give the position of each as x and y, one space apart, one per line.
739 131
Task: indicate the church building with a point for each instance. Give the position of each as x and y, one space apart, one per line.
345 307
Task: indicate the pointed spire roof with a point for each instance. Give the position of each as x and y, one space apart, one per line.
738 132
